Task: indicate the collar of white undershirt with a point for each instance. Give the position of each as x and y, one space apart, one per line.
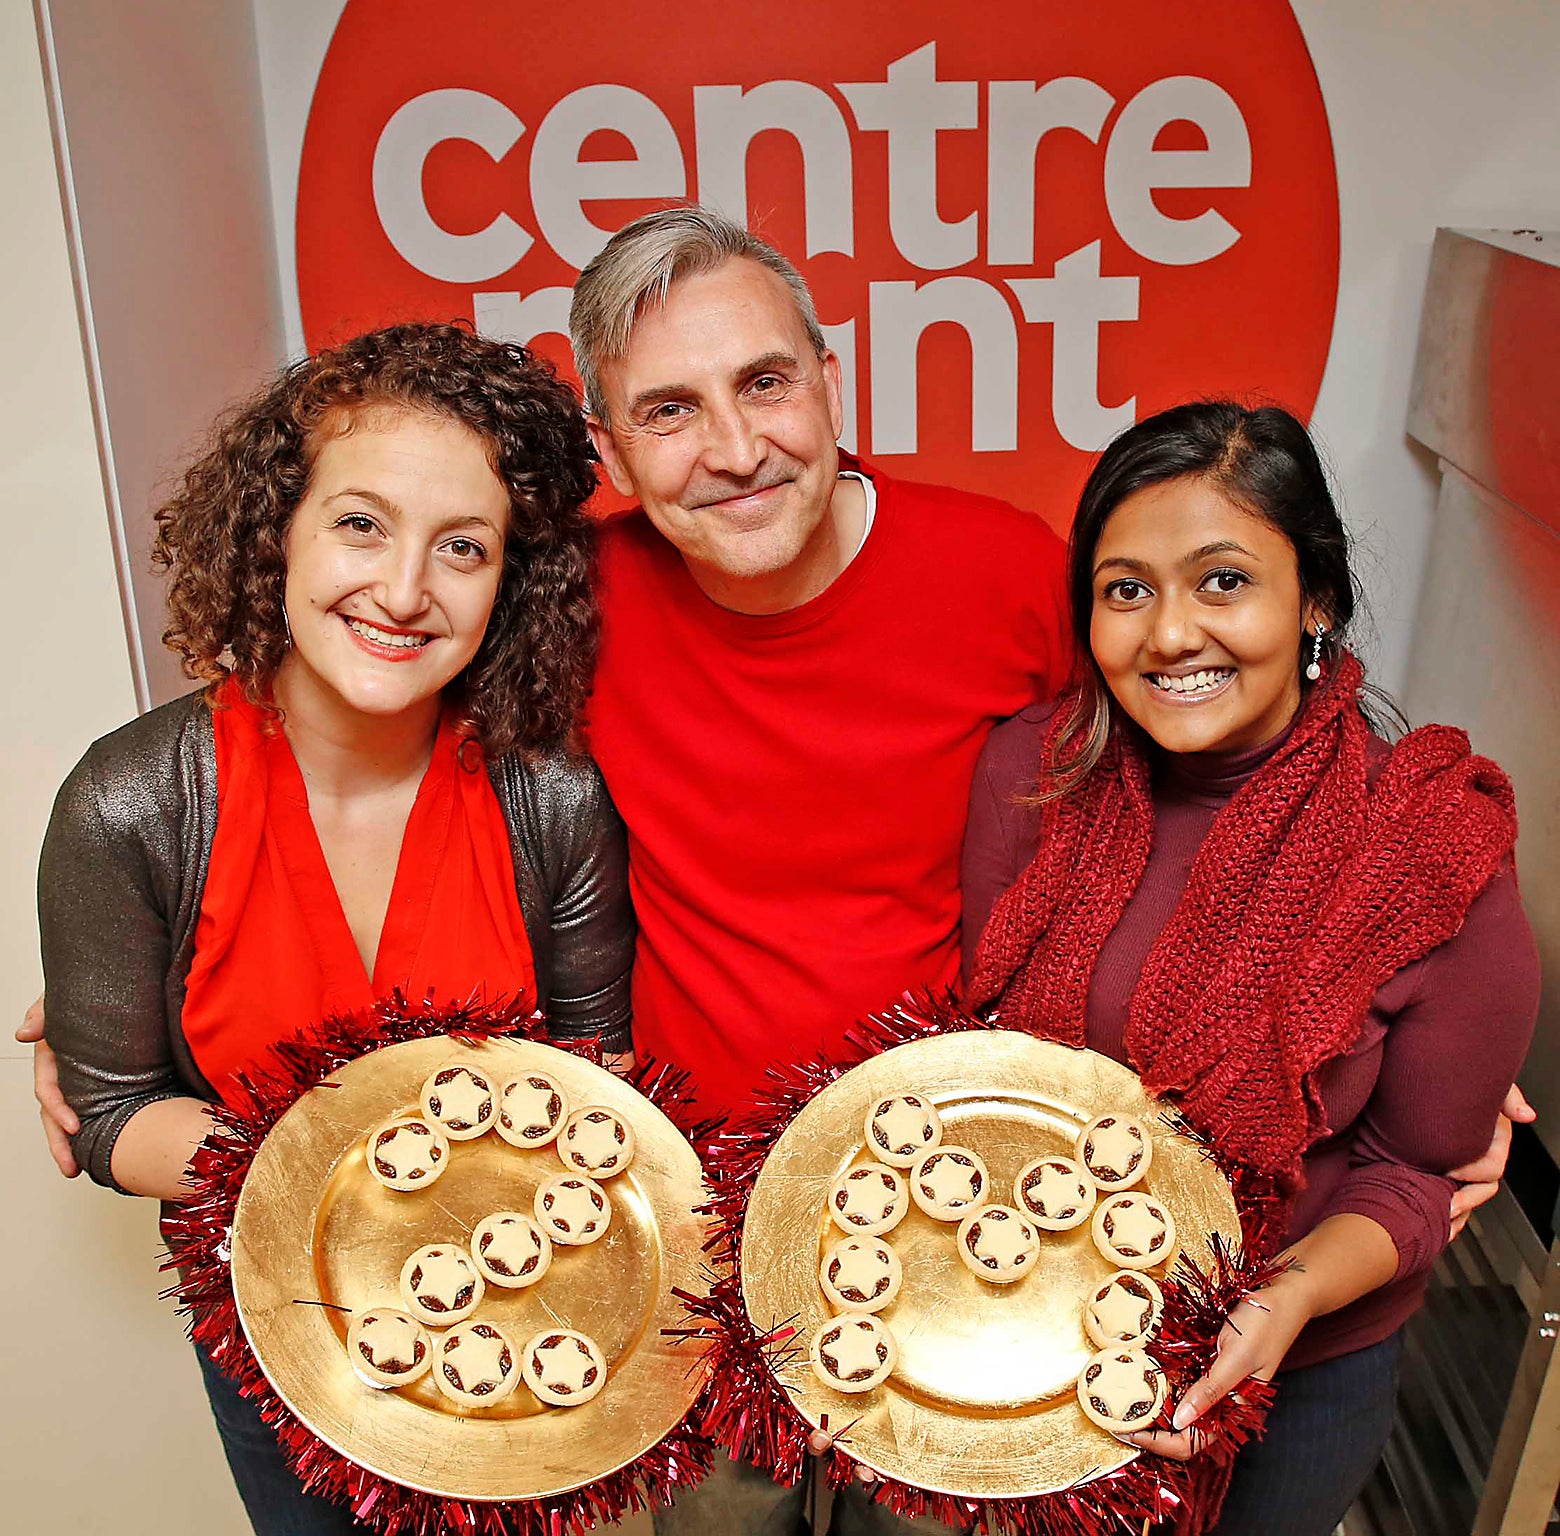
871 493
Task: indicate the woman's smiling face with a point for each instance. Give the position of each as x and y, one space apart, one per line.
393 561
1197 617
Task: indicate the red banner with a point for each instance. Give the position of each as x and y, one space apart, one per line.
1025 226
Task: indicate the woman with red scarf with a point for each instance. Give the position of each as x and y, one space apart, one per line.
1207 863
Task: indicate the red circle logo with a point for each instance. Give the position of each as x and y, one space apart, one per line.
1024 228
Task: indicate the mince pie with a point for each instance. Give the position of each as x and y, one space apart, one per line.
440 1285
1115 1150
1122 1390
860 1274
1124 1312
387 1348
998 1244
949 1182
511 1250
572 1209
596 1141
531 1109
898 1129
562 1367
407 1152
868 1199
1134 1230
460 1099
1055 1193
475 1364
853 1353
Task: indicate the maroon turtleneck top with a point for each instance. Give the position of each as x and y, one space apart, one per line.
1419 1091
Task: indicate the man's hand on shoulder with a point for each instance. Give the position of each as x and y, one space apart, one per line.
1481 1178
60 1121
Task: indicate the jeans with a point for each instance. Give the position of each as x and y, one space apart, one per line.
1325 1434
273 1497
736 1500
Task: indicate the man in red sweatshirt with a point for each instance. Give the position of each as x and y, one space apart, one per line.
801 659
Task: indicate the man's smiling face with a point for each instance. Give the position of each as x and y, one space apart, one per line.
723 422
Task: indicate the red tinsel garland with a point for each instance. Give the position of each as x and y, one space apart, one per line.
746 1411
198 1235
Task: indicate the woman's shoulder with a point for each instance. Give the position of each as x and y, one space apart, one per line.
551 799
147 767
563 777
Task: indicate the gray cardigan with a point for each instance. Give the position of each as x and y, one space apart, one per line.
124 867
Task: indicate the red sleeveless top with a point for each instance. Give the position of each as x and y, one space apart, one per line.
273 951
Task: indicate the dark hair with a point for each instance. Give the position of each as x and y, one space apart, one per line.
1264 461
222 534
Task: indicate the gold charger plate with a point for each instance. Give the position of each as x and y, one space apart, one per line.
982 1403
312 1224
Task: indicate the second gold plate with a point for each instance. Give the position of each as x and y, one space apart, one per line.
982 1403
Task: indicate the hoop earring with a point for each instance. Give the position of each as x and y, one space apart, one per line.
1314 671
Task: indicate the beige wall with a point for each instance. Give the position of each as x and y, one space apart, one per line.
102 1422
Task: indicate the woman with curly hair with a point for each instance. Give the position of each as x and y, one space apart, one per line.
381 568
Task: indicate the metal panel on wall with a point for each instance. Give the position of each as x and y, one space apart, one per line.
1486 398
161 151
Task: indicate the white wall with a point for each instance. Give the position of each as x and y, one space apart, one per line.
134 1452
1442 112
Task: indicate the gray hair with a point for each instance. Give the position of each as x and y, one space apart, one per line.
636 269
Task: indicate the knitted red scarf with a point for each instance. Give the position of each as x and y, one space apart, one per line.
1309 891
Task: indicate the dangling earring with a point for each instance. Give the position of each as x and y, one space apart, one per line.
1314 671
286 628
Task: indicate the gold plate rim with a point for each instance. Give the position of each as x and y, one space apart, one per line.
905 1435
300 1349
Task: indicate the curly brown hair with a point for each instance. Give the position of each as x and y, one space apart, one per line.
222 536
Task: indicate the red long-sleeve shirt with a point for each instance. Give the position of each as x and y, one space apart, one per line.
1417 1093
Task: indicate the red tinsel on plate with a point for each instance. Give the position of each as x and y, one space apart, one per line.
745 1408
198 1234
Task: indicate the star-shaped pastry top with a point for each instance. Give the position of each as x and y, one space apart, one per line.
1136 1227
1115 1147
857 1352
868 1195
571 1204
950 1178
904 1126
478 1354
1123 1307
533 1103
407 1149
1125 1386
1055 1190
1002 1236
512 1246
563 1363
391 1342
443 1279
863 1270
596 1139
459 1097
